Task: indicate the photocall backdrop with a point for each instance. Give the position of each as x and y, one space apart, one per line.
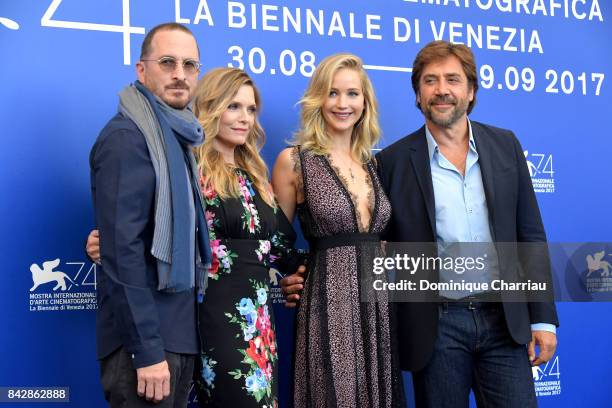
544 71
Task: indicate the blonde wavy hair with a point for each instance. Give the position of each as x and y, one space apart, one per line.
213 96
312 134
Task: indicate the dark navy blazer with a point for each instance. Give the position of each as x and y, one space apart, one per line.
514 216
131 312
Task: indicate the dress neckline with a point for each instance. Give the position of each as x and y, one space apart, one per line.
370 196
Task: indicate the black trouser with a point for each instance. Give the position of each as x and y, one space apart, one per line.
118 377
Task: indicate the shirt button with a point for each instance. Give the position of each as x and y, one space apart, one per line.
469 210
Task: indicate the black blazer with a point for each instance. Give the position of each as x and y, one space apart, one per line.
514 216
131 312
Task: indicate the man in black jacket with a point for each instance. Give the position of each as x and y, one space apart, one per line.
147 207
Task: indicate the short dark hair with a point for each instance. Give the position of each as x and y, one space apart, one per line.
437 50
145 49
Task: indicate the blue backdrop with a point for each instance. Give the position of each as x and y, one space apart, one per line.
544 72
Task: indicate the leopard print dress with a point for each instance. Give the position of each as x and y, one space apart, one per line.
345 355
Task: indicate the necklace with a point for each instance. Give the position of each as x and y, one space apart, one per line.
351 173
350 169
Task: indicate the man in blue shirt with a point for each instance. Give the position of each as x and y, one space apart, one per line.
460 181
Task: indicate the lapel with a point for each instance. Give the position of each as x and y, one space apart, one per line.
419 155
485 160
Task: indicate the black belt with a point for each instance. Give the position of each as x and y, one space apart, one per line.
339 240
484 298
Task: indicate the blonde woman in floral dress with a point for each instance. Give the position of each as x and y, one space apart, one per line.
248 232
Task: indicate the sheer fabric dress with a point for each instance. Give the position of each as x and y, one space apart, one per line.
238 365
345 356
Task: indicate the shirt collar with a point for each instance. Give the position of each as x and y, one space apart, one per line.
432 145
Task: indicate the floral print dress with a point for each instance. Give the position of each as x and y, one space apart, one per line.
238 365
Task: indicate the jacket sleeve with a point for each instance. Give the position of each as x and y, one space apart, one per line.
124 189
387 234
530 229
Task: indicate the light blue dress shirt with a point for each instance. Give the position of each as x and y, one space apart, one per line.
462 215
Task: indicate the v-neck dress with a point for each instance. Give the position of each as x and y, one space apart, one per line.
344 354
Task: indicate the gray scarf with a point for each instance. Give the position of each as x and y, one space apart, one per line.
137 107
